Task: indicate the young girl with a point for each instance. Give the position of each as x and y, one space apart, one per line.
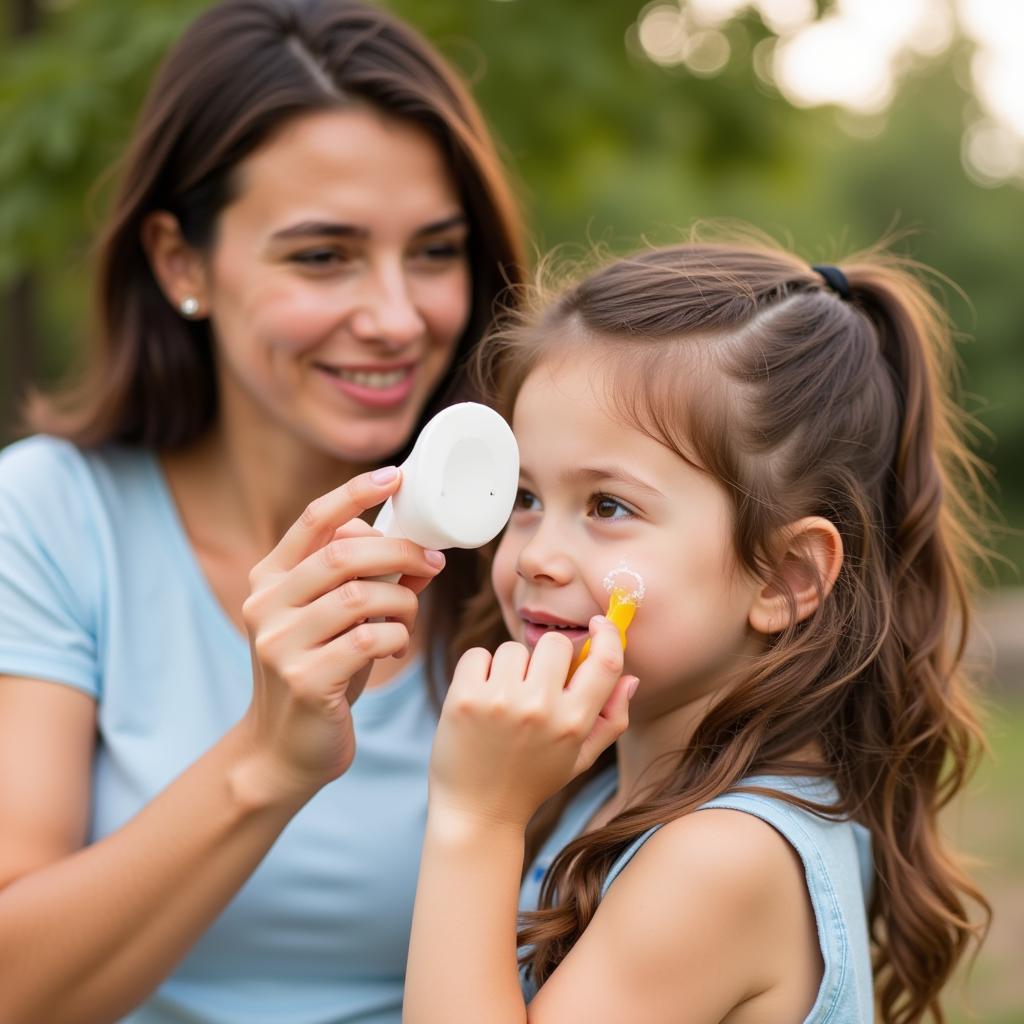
770 448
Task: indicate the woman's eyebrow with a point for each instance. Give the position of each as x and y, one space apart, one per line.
319 229
336 229
456 220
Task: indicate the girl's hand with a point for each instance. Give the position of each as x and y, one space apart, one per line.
512 733
317 621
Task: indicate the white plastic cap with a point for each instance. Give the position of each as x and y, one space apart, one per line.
459 482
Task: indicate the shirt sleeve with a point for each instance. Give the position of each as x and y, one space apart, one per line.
48 574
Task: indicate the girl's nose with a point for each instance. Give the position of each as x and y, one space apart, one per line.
544 558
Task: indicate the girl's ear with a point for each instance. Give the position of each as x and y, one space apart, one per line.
177 267
810 557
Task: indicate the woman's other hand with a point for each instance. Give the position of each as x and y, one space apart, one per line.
512 732
317 619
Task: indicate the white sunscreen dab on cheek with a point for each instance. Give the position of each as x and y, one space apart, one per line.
627 582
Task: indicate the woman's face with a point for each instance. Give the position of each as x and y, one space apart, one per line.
338 283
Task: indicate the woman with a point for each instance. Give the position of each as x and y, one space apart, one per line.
311 232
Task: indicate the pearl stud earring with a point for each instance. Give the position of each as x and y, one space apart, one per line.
189 306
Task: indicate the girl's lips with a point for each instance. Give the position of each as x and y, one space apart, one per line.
536 624
532 632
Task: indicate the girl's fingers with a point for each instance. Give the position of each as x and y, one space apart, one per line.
509 663
472 669
594 680
551 660
316 526
345 606
350 558
611 723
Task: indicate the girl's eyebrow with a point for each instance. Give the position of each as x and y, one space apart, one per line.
589 474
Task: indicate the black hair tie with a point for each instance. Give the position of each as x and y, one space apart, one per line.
834 278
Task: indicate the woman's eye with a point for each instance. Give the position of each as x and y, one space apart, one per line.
525 501
440 252
321 259
604 506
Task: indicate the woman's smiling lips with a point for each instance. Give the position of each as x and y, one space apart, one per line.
537 623
378 386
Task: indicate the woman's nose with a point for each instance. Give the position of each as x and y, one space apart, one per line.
387 315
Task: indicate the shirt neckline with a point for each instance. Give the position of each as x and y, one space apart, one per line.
376 697
197 580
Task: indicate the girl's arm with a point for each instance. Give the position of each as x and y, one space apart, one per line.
712 913
87 933
511 734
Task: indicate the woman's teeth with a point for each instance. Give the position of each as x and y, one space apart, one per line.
371 378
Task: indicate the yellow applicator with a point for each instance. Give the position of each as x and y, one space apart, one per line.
623 602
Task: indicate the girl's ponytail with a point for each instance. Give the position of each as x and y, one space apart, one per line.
926 735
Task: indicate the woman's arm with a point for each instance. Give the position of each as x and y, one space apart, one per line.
87 933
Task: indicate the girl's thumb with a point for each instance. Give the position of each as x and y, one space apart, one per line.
611 722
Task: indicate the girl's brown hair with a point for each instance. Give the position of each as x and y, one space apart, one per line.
800 403
239 73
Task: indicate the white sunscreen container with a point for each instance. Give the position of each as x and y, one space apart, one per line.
459 482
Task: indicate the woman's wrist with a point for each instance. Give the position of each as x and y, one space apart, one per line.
258 782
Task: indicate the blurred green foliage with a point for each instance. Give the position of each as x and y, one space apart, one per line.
606 147
984 823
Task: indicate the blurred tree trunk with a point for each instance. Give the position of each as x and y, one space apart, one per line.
22 342
24 17
21 334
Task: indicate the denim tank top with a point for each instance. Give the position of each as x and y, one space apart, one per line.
838 871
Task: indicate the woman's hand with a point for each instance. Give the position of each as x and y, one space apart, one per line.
317 620
512 733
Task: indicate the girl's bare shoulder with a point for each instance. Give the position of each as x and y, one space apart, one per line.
711 915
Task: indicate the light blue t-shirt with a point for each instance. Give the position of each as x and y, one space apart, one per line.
836 857
100 590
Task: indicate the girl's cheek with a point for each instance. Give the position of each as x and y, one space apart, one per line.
503 574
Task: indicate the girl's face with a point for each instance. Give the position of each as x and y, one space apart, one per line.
338 285
596 493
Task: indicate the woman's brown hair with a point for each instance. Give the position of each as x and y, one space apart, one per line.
800 403
240 72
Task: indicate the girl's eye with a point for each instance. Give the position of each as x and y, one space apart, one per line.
525 501
604 506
